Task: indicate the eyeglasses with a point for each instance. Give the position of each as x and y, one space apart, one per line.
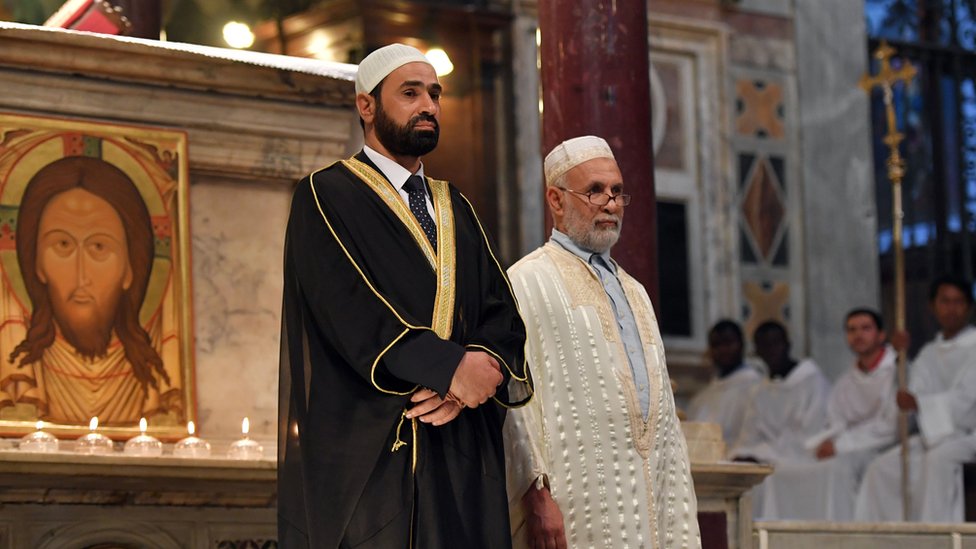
598 198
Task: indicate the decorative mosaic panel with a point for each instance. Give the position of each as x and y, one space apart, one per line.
759 109
764 301
763 208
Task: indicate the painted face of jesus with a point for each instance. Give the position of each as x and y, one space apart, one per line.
82 258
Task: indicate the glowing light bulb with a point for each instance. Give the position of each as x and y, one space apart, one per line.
142 425
93 424
238 35
245 426
191 428
440 60
39 425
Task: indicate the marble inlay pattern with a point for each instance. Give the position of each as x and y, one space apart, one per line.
762 207
765 301
759 109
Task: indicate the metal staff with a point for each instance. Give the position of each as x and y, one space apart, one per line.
886 79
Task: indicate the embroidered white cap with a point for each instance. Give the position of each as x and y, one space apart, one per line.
573 152
379 64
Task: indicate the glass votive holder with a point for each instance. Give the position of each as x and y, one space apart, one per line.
191 446
39 441
94 443
245 448
143 444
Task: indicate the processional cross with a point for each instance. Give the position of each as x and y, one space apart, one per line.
886 78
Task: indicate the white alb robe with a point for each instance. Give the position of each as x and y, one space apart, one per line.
861 421
782 414
723 401
943 379
620 481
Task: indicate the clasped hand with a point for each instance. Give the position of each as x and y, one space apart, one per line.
475 381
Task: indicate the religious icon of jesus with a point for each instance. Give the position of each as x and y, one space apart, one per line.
94 317
85 248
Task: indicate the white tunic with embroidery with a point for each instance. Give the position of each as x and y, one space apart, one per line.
620 481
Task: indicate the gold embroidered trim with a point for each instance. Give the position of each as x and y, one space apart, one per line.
584 288
392 199
443 317
413 427
372 370
443 262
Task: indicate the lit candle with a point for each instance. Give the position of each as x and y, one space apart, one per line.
93 442
39 441
191 446
245 448
143 444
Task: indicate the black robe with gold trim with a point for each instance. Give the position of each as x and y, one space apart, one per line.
370 314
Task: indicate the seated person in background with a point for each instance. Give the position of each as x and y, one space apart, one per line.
723 400
784 410
861 421
942 401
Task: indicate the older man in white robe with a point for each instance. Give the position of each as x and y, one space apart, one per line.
723 400
942 398
861 420
597 458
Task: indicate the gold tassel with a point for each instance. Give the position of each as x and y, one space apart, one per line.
397 444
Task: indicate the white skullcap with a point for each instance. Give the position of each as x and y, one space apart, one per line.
573 152
382 62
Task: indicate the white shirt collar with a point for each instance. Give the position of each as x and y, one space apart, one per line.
396 173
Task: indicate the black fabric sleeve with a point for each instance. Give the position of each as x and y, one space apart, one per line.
499 329
361 324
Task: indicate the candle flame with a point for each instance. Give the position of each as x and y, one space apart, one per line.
39 425
142 425
191 428
93 424
245 426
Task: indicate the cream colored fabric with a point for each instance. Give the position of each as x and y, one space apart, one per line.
861 420
943 379
723 402
379 64
573 152
619 481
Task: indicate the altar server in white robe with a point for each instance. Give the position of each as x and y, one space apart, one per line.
785 409
861 421
942 399
597 459
723 400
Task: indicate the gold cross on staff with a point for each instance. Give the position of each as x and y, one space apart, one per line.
886 79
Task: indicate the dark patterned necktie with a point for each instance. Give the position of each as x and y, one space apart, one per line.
418 205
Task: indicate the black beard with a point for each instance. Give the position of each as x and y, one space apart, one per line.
404 140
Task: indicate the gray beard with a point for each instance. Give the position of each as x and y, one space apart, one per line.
584 233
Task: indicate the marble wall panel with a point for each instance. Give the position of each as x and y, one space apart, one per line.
238 238
840 217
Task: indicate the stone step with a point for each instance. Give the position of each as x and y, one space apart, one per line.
862 535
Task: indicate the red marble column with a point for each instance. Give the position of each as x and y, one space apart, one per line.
146 17
595 81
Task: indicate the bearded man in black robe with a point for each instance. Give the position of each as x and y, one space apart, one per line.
401 341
